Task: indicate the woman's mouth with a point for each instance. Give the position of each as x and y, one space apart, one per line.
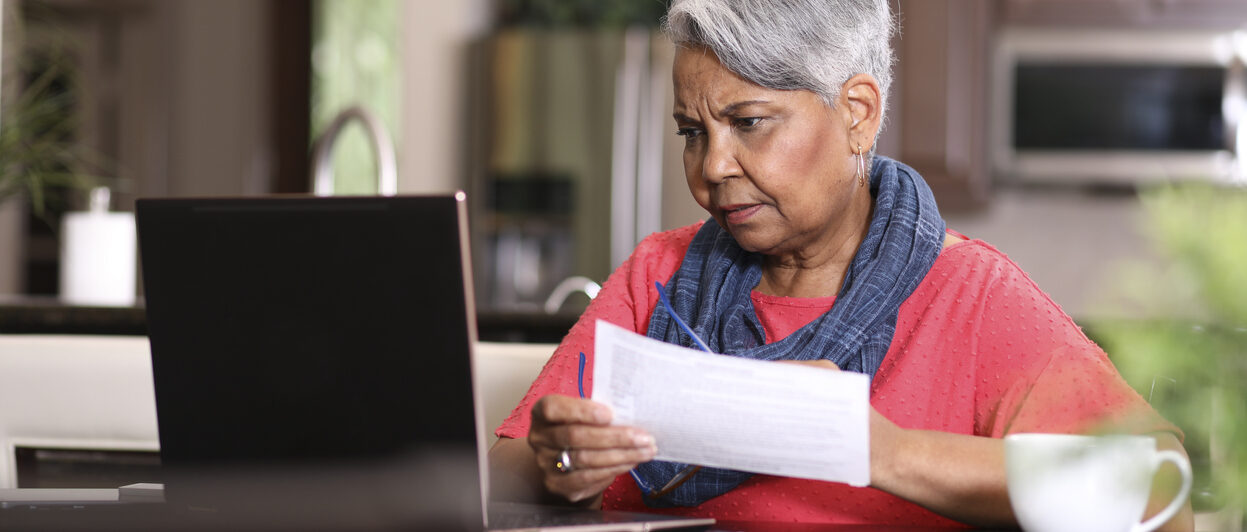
737 214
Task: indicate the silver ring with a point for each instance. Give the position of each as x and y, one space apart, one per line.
564 463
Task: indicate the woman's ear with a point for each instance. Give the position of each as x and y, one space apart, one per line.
864 105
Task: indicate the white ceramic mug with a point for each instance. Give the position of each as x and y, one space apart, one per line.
1069 483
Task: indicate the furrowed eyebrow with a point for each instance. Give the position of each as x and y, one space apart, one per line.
728 110
681 117
731 109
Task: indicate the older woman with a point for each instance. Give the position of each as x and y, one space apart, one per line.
819 252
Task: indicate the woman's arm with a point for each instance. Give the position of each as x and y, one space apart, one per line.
963 477
958 476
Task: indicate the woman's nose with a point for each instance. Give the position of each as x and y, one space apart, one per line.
720 162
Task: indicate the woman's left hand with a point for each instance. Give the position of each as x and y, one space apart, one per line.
825 364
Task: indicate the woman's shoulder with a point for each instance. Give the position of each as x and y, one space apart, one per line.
662 252
655 258
964 258
973 277
628 295
671 241
975 271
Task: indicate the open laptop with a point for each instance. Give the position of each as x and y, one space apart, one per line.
313 361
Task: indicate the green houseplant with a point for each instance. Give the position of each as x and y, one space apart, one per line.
40 158
1188 353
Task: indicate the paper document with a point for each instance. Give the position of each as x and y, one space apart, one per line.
736 413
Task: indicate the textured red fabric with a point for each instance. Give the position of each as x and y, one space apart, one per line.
979 350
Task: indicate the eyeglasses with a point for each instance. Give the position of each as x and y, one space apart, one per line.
680 478
684 474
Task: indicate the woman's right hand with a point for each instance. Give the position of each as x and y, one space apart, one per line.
598 452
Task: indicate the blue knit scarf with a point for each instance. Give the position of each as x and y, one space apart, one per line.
711 293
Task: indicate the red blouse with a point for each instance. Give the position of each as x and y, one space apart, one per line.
978 350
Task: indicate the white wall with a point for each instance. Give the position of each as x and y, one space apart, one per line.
1069 241
219 86
434 48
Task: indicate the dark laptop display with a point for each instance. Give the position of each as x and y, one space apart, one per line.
329 306
294 338
312 360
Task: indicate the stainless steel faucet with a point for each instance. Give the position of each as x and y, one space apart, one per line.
570 286
382 149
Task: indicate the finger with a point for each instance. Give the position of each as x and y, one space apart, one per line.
822 363
556 409
583 484
610 458
559 437
585 459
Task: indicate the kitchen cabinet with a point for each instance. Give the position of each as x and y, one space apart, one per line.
1227 14
938 114
940 100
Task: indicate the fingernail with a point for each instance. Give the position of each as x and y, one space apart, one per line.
602 414
643 440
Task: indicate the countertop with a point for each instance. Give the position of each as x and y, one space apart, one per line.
48 315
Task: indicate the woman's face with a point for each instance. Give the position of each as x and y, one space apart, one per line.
774 168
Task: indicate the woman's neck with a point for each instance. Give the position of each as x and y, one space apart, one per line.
818 270
791 278
796 280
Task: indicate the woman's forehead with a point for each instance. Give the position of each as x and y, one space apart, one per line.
702 82
695 62
697 73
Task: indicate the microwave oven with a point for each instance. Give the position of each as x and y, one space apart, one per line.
1118 106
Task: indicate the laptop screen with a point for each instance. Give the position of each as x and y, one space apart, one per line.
312 363
296 331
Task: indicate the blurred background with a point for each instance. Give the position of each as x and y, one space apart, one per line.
1067 133
554 116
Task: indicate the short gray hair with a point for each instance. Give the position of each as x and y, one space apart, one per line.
813 45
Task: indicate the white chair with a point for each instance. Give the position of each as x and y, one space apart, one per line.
96 392
74 392
503 373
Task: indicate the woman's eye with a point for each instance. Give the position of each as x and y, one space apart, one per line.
746 122
689 133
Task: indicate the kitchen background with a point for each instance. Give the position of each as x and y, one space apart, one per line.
1036 122
554 116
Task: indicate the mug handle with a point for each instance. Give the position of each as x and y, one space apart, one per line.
1169 511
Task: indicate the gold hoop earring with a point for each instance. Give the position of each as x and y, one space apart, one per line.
861 167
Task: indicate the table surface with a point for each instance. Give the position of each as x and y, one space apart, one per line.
156 516
100 519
